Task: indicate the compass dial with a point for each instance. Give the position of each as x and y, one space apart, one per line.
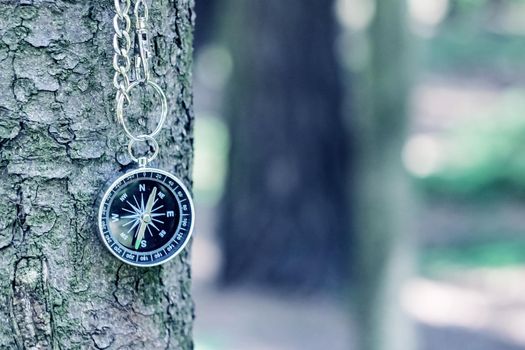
146 217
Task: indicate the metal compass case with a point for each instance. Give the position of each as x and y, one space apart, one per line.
146 216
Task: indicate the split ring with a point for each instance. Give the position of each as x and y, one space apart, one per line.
143 138
163 114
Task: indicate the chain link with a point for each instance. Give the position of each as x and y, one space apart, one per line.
121 45
141 5
122 65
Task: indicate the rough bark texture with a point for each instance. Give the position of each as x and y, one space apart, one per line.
383 252
283 221
59 144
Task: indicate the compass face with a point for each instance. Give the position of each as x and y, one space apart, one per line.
146 217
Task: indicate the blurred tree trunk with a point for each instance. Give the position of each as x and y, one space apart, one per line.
283 216
59 144
206 17
382 256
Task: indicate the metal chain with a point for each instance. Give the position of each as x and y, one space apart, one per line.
141 77
121 45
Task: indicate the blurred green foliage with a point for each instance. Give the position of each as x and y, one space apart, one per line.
481 35
482 158
473 255
486 156
212 144
467 6
465 50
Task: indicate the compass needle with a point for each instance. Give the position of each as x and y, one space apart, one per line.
146 217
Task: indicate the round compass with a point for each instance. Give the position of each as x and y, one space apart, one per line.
146 217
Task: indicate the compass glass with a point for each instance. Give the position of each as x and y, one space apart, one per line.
146 217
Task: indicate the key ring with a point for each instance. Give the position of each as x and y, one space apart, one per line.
163 114
142 161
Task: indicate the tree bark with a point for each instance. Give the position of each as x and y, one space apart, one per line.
383 253
59 144
283 218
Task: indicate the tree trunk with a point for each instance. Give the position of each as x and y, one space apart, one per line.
206 15
283 217
383 254
59 144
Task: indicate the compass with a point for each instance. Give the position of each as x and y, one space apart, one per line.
146 217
